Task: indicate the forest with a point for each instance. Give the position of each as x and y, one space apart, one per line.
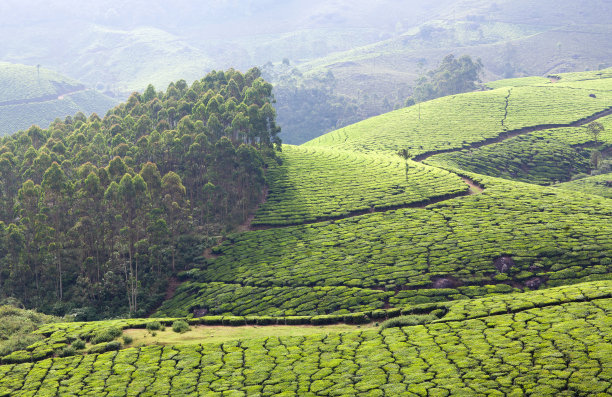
98 213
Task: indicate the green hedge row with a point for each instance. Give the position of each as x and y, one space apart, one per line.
555 350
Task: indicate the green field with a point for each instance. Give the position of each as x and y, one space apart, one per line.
599 185
474 118
541 157
463 276
554 237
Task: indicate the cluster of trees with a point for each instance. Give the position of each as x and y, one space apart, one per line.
312 106
452 76
97 213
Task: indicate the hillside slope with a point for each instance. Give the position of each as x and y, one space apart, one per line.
31 95
365 273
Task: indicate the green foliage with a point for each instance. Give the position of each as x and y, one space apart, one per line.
96 206
154 326
180 326
443 252
455 122
453 76
554 348
352 182
600 185
106 335
407 321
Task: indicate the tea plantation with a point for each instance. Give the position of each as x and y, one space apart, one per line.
561 348
456 273
599 184
541 157
460 121
315 184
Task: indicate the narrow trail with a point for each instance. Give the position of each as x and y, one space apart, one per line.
512 133
44 98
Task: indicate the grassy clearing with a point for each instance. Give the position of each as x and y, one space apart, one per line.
221 334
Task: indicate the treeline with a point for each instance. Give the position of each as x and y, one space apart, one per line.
96 214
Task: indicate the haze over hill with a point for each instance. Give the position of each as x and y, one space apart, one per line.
374 50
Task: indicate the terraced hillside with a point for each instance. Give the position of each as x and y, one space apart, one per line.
541 157
549 345
599 184
475 119
447 275
31 95
316 184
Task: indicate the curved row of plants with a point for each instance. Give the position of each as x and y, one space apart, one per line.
317 183
63 339
473 118
541 157
554 350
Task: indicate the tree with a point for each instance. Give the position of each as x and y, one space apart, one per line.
57 193
595 129
405 154
453 76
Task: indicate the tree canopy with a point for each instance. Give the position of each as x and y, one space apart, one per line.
453 76
97 213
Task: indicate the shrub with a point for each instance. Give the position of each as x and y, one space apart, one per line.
105 347
154 326
78 344
180 326
106 335
406 321
67 351
127 339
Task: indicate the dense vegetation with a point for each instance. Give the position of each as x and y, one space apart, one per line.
315 183
449 250
96 213
452 76
462 284
542 157
474 118
599 184
549 345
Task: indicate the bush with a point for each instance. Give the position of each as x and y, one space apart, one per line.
180 326
105 347
106 335
127 339
78 344
67 351
406 321
154 326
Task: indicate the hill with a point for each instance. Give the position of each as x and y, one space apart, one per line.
375 51
32 95
357 271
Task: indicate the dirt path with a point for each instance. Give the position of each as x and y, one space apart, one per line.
474 187
45 98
